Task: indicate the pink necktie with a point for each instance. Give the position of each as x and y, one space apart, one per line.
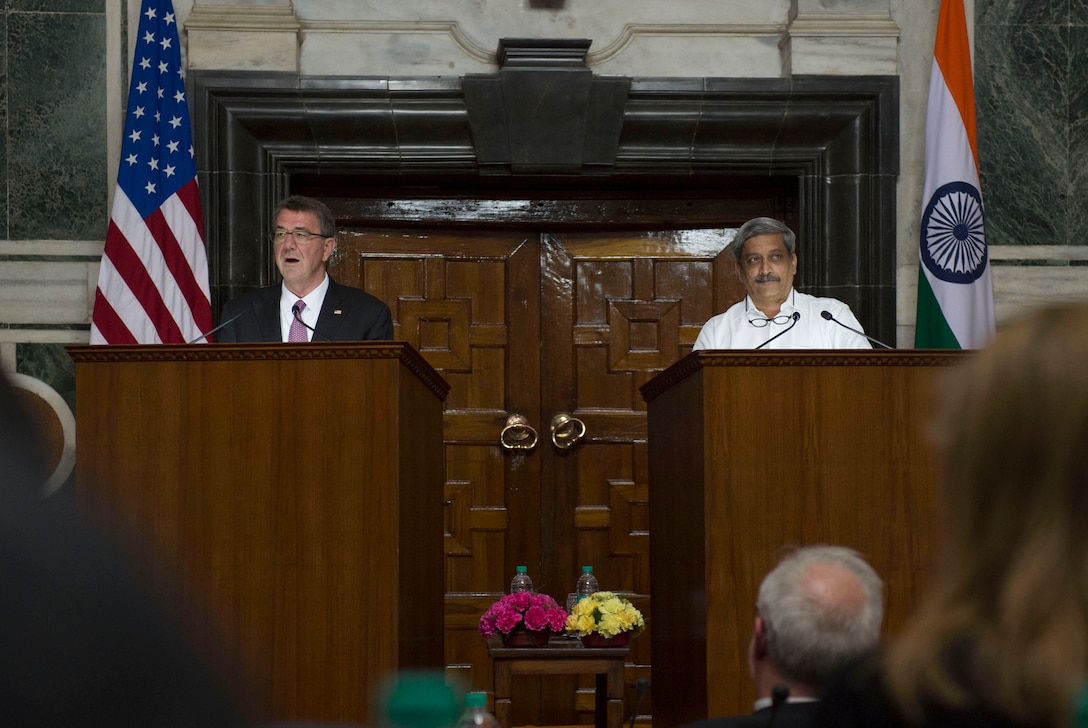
297 333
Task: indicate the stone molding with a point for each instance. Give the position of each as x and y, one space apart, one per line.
843 24
242 19
854 25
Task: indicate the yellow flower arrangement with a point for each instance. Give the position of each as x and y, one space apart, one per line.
606 614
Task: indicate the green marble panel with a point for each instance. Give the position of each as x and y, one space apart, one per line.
51 364
1022 78
1078 132
3 122
56 93
1078 12
58 6
1023 12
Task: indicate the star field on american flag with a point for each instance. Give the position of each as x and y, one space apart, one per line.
157 154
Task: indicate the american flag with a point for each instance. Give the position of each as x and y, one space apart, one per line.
153 284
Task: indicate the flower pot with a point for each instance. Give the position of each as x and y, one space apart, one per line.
525 638
596 640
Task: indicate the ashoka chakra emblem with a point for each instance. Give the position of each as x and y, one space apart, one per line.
953 243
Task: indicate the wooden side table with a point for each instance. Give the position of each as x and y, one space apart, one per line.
561 656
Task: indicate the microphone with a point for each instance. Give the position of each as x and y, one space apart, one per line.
296 311
228 322
642 686
780 693
827 315
796 317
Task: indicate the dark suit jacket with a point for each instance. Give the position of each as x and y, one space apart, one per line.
858 697
348 314
790 715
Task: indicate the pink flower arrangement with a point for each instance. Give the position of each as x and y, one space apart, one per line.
523 611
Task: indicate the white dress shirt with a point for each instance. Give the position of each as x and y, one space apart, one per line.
314 300
734 328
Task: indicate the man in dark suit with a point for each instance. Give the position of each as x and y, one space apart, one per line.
308 305
819 609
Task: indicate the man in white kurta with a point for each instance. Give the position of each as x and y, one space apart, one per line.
773 315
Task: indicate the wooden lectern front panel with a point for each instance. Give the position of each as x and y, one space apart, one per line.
753 453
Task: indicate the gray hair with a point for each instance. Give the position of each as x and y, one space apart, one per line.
808 637
298 203
762 226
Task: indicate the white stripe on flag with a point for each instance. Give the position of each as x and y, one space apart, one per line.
124 302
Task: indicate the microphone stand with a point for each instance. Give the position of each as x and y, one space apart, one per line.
796 317
829 317
779 694
297 313
228 322
642 685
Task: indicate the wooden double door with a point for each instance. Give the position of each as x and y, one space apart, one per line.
553 333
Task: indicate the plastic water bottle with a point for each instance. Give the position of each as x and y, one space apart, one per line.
587 583
476 714
521 581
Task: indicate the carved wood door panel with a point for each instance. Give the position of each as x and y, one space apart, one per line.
543 325
619 308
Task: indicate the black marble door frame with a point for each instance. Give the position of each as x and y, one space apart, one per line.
837 136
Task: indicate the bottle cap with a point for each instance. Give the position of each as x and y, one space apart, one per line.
522 569
476 700
587 569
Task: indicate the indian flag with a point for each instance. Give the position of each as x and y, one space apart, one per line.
955 293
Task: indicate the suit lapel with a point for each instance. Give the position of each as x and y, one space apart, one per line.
333 312
268 314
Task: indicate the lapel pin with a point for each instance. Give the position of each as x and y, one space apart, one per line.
338 312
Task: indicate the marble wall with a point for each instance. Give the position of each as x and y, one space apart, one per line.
53 188
1031 88
63 72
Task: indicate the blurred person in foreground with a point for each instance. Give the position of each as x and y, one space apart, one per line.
817 611
83 643
1001 638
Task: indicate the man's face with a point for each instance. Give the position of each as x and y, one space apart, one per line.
767 269
302 265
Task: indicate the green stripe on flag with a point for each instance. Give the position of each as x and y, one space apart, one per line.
931 330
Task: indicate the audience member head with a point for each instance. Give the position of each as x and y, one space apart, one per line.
84 643
817 610
23 470
1005 628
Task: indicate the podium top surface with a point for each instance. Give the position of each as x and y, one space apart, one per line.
267 351
698 360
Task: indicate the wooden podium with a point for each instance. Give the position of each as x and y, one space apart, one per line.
288 496
753 451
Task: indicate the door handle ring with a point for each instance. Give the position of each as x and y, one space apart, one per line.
518 434
567 431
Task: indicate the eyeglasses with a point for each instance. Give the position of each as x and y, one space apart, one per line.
301 236
780 319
